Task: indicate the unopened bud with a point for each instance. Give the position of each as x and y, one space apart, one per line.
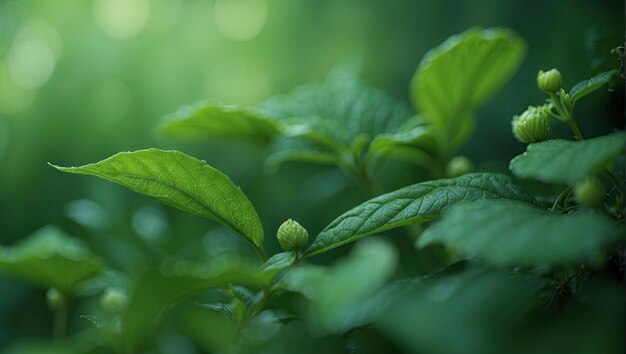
292 236
549 81
532 126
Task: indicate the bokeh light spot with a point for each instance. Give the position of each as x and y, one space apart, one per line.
240 20
122 19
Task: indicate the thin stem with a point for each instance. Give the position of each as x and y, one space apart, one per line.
617 182
571 123
564 193
60 320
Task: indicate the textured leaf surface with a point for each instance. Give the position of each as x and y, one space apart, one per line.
586 87
457 77
52 259
183 182
207 120
509 233
351 107
566 160
339 294
418 203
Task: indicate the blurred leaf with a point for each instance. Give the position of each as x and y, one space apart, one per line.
321 122
337 293
350 105
462 74
278 262
182 182
586 87
208 120
419 203
417 145
592 323
507 233
290 149
472 312
85 342
562 161
156 290
52 259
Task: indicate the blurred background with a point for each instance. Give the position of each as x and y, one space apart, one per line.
84 79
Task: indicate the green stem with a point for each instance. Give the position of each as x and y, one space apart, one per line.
564 194
571 123
568 116
618 183
61 315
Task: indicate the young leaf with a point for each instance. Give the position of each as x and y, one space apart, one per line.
417 145
418 203
507 233
457 77
561 161
156 290
338 294
214 120
182 182
52 259
586 87
278 262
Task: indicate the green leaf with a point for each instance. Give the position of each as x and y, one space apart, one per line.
417 145
182 182
475 311
339 294
290 149
52 259
278 262
462 74
507 233
414 204
561 161
341 107
208 120
586 87
156 290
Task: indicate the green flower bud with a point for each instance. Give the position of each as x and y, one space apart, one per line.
458 166
292 236
549 81
532 126
589 192
114 300
55 298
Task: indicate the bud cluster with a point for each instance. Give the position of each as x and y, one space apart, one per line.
532 126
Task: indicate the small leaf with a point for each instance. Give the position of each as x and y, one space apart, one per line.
561 161
207 120
339 294
586 87
508 233
462 74
278 262
52 259
417 145
156 290
182 182
414 204
290 149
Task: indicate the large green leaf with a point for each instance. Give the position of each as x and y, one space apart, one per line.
352 108
565 160
505 232
457 77
156 290
206 120
475 311
586 87
339 294
418 203
183 182
52 259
